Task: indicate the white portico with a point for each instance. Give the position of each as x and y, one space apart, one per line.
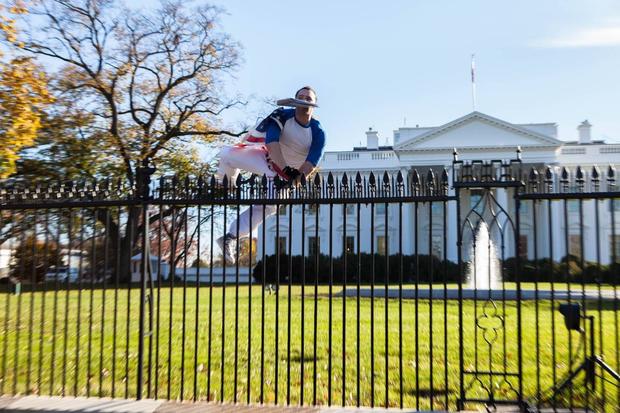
477 136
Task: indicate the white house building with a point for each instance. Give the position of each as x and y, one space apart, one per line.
477 136
217 275
5 261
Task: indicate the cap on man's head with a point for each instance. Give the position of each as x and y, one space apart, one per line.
299 103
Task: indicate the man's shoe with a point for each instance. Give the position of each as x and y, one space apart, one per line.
228 245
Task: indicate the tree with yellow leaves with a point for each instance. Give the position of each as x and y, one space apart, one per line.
23 95
151 81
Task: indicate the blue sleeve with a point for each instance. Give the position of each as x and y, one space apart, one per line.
318 144
272 130
272 133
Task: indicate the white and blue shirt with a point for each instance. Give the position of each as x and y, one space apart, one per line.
299 143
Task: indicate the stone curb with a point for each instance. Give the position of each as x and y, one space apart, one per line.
43 404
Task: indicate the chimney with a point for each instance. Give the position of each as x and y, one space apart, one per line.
372 139
584 132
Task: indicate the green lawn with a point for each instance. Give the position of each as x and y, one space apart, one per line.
53 359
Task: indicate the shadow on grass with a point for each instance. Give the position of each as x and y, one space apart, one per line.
426 392
308 356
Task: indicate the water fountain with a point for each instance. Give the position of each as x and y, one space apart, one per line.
484 271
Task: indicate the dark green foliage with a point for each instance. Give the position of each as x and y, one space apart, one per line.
410 266
568 269
33 258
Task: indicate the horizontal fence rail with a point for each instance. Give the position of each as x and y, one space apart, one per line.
423 288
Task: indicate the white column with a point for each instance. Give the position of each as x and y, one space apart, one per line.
452 223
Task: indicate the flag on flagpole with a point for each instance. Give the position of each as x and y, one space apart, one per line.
473 82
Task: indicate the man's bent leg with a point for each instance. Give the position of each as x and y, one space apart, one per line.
245 227
248 158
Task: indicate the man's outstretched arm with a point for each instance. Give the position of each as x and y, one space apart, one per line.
316 149
272 141
275 153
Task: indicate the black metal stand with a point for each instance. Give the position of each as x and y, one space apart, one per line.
588 366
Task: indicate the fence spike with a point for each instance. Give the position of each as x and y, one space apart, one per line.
303 180
330 179
345 180
579 174
445 181
579 178
564 179
200 186
549 178
386 178
399 178
611 176
548 174
430 177
371 179
415 178
358 179
317 180
415 182
595 176
611 172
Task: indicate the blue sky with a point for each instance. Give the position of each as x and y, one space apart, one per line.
376 63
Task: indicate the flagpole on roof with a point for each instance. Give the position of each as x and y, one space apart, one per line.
473 82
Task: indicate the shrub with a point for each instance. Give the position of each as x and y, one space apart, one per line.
414 268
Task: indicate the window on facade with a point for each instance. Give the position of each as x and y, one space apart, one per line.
476 201
349 244
282 210
348 209
281 244
381 245
314 246
437 208
437 246
525 207
614 247
523 246
380 209
574 245
312 209
572 206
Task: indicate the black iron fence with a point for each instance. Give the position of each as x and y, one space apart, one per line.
437 291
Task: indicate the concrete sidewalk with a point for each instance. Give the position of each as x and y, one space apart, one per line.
42 404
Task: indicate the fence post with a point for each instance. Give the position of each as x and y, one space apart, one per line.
460 401
143 180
